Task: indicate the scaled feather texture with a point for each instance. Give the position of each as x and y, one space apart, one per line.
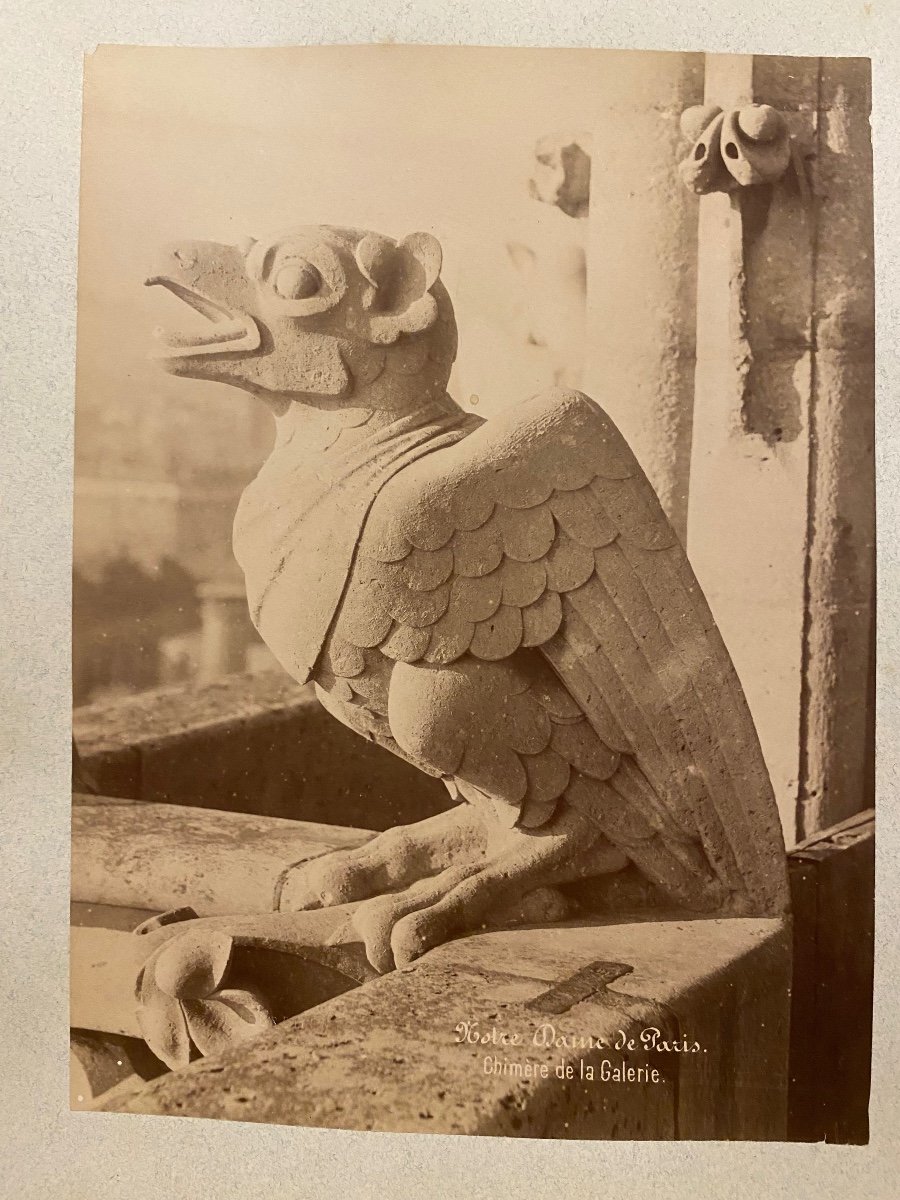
539 534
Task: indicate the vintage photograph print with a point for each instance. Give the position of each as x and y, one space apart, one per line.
473 592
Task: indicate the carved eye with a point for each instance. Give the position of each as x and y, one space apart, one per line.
298 281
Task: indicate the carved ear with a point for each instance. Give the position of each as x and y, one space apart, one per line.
401 276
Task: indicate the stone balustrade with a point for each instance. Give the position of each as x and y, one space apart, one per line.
654 1025
249 743
290 782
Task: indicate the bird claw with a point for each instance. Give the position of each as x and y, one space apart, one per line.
390 862
332 879
406 908
399 928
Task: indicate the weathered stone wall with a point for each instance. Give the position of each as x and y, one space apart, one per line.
258 744
781 518
395 1054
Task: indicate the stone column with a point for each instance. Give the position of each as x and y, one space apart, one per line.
641 268
780 527
837 729
225 630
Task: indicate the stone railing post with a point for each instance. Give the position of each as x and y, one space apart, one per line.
781 515
225 627
641 270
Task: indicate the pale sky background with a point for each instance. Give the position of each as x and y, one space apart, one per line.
220 144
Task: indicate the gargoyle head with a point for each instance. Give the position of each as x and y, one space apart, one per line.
317 313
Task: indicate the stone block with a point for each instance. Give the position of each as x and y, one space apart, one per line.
782 452
396 1054
832 878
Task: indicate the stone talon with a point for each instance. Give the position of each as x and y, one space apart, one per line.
378 919
331 880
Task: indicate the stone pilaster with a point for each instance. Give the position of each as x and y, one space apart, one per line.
640 335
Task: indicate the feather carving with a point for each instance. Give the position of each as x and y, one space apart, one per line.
539 534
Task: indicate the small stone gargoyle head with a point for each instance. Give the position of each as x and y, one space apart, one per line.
740 148
313 314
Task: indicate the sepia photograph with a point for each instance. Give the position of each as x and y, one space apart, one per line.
473 592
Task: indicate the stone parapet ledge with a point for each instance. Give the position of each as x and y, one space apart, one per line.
163 856
249 743
404 1052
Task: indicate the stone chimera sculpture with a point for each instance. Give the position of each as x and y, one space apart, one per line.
502 603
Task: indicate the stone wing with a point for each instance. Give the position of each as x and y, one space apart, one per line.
540 530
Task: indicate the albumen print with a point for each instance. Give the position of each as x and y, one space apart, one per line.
473 592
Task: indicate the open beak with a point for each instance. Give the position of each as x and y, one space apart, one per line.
230 331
